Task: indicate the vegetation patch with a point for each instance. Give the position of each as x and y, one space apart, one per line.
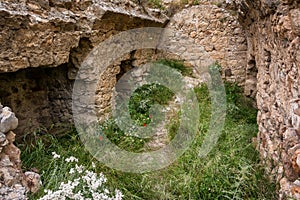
231 171
177 65
156 4
146 96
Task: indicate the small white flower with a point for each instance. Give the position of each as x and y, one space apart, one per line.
72 171
79 168
78 196
71 159
55 155
89 184
93 165
119 195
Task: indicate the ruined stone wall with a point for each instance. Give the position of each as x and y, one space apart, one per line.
44 42
219 32
209 26
42 45
273 32
109 78
41 96
55 36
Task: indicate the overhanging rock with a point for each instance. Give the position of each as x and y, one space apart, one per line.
43 33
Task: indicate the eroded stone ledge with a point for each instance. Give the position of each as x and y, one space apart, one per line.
43 33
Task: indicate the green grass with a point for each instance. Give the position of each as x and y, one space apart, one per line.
178 65
121 139
230 171
139 108
144 97
156 4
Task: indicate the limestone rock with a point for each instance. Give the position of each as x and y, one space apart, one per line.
13 152
33 181
13 185
3 140
8 120
10 136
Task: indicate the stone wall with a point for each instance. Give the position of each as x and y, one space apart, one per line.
41 96
42 46
114 72
273 34
209 26
219 32
44 42
57 35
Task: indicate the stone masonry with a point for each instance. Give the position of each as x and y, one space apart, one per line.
42 46
43 43
273 35
221 35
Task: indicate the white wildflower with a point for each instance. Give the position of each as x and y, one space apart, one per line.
93 165
78 196
72 171
89 184
55 155
71 159
79 168
119 195
106 191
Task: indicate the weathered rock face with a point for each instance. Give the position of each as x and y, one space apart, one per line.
273 30
43 44
49 31
13 183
